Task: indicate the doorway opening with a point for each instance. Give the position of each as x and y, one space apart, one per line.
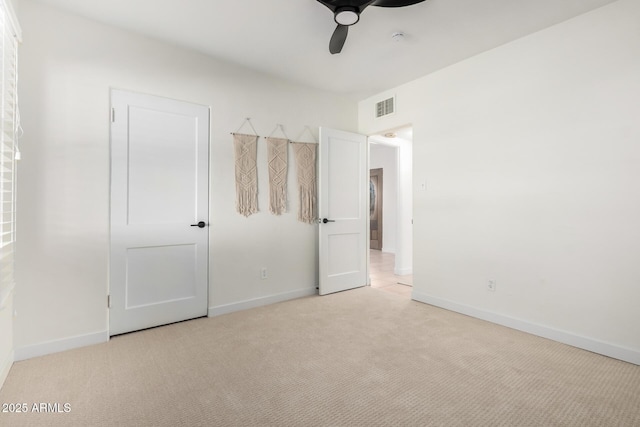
391 210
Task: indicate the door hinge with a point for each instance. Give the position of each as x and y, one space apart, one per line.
108 301
113 115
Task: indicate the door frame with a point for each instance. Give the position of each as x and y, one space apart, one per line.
404 226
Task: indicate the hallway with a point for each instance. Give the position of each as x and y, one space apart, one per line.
382 277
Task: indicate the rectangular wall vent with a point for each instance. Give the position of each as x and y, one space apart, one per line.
386 107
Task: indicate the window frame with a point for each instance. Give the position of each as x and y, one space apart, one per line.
10 37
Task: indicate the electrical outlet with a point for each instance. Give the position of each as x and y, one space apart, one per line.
491 285
263 273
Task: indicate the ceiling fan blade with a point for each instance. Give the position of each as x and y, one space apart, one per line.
338 38
395 3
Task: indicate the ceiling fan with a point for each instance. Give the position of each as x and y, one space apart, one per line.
347 12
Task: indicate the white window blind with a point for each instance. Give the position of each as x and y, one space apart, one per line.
9 125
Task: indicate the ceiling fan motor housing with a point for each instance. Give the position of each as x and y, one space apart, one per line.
346 15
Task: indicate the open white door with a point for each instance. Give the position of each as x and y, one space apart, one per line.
159 189
343 206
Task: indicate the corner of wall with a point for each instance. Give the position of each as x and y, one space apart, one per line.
5 367
6 342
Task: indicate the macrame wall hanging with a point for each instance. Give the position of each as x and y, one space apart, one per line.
246 148
305 155
277 159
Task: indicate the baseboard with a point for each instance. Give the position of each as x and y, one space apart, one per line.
57 346
262 301
388 250
565 337
402 271
5 367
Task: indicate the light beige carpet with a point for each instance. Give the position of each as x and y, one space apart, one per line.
357 358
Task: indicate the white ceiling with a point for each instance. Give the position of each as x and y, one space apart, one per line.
290 38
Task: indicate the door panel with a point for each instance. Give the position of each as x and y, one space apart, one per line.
162 148
343 192
375 209
159 188
348 246
344 180
160 274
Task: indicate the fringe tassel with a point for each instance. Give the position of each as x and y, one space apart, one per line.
277 199
307 211
247 201
306 171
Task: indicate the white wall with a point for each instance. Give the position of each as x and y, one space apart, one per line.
386 158
530 156
6 337
404 244
68 65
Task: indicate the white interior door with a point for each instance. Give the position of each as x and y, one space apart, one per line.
343 207
159 189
